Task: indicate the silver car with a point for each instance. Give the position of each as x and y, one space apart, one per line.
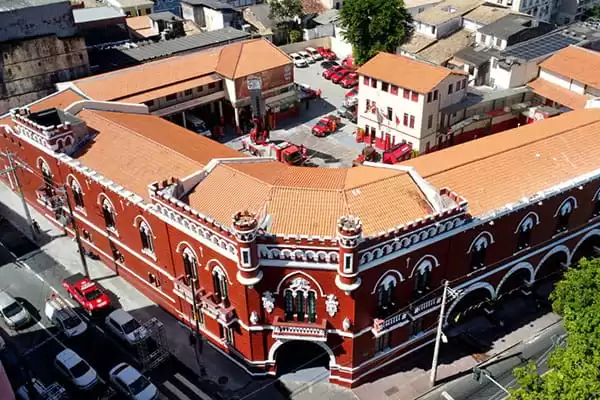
13 312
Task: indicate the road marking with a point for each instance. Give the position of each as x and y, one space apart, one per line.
171 388
446 396
37 346
192 387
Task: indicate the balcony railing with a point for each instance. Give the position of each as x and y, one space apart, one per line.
219 311
425 305
306 331
183 290
380 326
48 198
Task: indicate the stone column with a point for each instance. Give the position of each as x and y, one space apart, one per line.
245 225
220 108
349 233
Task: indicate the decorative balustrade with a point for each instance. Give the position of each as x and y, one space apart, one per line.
218 310
425 306
380 326
184 291
306 331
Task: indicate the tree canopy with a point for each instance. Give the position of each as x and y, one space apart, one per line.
285 10
574 369
371 26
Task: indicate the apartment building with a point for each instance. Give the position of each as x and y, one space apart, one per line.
404 107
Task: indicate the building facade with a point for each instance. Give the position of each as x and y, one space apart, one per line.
260 256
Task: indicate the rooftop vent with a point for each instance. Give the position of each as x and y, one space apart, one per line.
450 9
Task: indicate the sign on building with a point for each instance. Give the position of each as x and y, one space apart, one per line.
256 101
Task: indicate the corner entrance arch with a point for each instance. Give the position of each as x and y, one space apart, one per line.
553 265
588 247
468 304
293 356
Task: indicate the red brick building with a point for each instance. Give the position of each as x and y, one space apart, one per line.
349 259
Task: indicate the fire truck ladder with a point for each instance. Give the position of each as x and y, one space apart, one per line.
54 392
153 350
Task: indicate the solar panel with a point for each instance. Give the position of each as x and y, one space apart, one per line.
541 46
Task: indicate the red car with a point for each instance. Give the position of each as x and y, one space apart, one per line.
339 75
352 93
329 72
325 125
327 53
88 293
350 80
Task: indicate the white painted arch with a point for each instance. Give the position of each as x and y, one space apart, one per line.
592 233
557 249
531 216
215 267
388 275
567 206
285 278
520 266
484 236
183 246
472 288
427 261
279 343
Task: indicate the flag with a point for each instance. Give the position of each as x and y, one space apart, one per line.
397 120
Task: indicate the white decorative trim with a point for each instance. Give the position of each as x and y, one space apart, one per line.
596 196
426 262
331 305
520 266
253 318
483 239
249 281
43 166
285 278
297 264
469 289
219 268
300 256
567 206
555 250
280 342
384 278
345 287
528 222
594 232
268 301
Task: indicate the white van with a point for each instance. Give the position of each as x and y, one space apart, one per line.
195 124
13 312
63 316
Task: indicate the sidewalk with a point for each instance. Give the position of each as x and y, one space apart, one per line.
64 251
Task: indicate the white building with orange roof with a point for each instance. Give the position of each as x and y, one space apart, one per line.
570 78
399 100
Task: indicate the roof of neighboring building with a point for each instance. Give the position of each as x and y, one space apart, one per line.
566 97
327 17
487 13
135 150
164 16
416 75
233 61
417 42
416 3
142 25
528 159
171 89
444 49
9 5
446 11
309 201
510 25
582 65
258 15
83 15
166 48
474 56
60 100
132 3
214 4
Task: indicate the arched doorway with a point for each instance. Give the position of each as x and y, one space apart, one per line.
551 268
470 304
514 281
587 248
298 356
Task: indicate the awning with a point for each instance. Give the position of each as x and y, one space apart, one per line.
396 154
281 100
574 101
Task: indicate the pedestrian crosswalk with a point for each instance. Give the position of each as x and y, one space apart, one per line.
179 387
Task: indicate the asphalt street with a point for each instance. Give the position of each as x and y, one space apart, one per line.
500 368
32 278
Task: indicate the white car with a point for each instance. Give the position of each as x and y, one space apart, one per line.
60 314
125 326
133 384
314 53
306 56
299 61
13 312
75 369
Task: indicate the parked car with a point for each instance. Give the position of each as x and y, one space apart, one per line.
329 64
352 93
327 53
299 61
306 56
122 324
197 125
132 383
350 80
314 53
75 369
86 292
339 75
62 315
325 125
13 312
306 92
328 73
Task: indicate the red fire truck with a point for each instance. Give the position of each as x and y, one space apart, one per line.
258 144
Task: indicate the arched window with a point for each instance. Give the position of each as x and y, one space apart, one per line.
189 265
109 214
563 214
146 237
385 297
300 301
422 278
596 205
77 193
220 285
46 174
524 230
479 250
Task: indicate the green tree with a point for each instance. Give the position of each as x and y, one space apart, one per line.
574 368
593 12
295 35
285 10
371 26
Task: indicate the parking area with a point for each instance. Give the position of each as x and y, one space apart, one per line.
337 149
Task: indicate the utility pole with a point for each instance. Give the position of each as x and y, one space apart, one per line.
438 337
13 168
86 272
192 278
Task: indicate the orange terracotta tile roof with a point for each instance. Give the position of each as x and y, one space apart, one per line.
525 160
559 94
129 158
232 61
405 72
61 99
309 201
141 22
576 63
176 88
